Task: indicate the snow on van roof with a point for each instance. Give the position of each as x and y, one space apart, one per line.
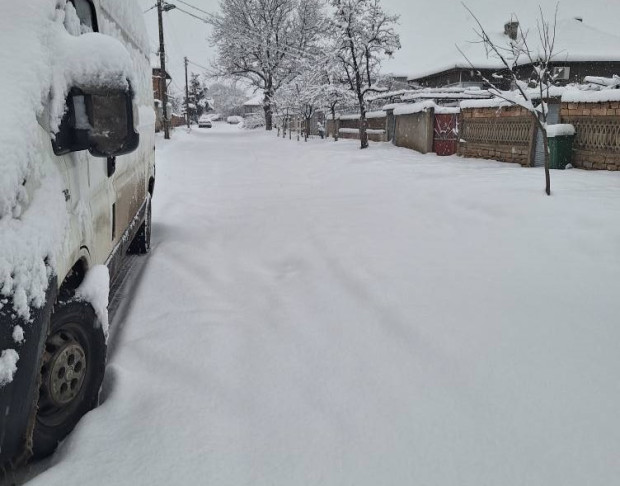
42 64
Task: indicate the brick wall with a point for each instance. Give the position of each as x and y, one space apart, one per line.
597 139
506 134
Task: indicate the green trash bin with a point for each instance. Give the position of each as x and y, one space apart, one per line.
560 145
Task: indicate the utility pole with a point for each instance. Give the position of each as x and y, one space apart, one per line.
162 63
186 94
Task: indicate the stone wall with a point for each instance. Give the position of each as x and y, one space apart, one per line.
597 138
505 133
415 131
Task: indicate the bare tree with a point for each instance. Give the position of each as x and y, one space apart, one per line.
363 35
229 99
262 42
334 91
519 52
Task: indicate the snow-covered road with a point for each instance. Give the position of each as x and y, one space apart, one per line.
313 314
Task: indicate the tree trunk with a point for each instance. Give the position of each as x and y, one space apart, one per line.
268 109
363 123
547 175
541 127
268 115
334 126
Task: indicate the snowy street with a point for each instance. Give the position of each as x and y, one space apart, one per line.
316 314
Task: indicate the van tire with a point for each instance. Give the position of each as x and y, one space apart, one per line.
76 349
141 243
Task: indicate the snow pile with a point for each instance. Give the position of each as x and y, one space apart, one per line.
95 289
43 62
393 106
574 42
128 14
8 366
369 131
413 108
591 96
362 317
254 121
88 61
489 103
356 116
560 130
447 110
18 334
613 82
375 114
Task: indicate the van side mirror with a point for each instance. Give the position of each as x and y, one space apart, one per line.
98 121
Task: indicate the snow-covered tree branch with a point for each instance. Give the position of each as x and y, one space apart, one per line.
363 35
518 51
263 41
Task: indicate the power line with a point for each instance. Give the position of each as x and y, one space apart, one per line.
149 9
206 69
246 35
198 65
196 8
192 15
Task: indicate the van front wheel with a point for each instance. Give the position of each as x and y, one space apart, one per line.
141 243
71 374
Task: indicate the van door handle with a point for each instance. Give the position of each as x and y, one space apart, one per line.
111 166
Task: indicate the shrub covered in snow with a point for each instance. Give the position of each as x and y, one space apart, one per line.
254 121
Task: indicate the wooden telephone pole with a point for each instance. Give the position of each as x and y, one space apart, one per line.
186 95
162 62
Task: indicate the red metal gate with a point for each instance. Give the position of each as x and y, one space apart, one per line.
446 134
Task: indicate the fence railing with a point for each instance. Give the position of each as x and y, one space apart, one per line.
597 134
514 131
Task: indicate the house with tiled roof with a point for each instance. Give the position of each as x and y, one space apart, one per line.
580 50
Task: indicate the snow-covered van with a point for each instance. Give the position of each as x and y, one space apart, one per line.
76 177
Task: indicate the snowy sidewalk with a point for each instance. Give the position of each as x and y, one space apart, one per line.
313 314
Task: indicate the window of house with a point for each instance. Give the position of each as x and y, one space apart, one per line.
86 13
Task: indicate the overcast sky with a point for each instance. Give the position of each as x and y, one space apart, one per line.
428 28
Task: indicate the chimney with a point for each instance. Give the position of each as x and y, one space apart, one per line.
511 29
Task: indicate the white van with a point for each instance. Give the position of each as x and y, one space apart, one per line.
77 174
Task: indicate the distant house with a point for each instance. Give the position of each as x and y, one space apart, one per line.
253 105
580 51
160 80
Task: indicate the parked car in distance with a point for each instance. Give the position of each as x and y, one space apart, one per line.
234 120
205 122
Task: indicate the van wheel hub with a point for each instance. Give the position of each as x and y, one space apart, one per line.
66 369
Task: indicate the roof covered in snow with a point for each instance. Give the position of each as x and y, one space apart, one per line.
255 101
576 41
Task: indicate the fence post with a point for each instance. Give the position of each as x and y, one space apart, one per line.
430 130
390 123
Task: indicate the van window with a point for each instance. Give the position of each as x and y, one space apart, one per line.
86 13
